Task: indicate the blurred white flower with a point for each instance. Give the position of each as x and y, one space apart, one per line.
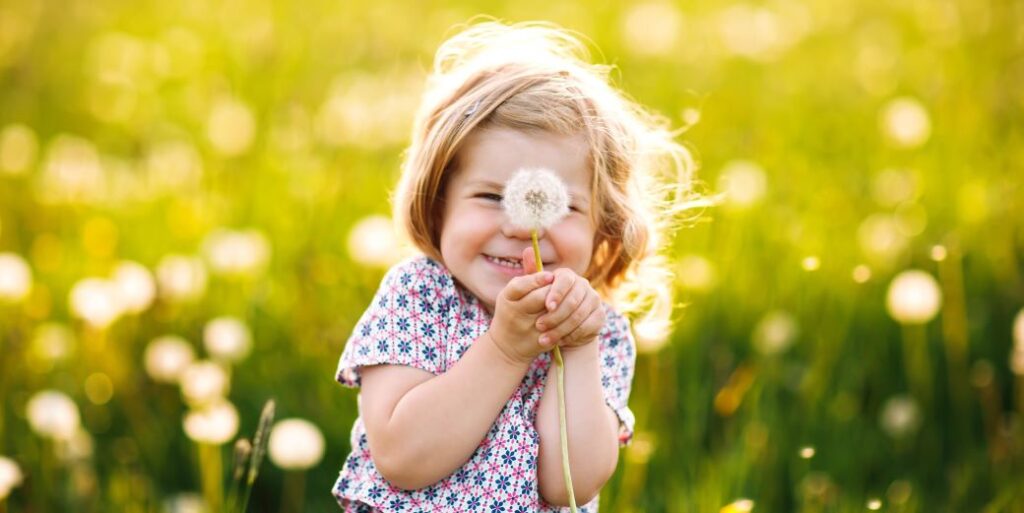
134 285
167 357
173 166
743 182
914 297
72 172
894 186
10 476
51 342
881 238
231 126
535 199
652 28
696 273
367 110
96 301
78 447
295 444
761 33
738 506
227 338
15 278
905 122
900 416
181 278
1017 362
372 242
52 414
18 148
204 382
213 424
775 332
237 253
188 502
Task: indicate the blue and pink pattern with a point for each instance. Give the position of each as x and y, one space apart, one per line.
420 317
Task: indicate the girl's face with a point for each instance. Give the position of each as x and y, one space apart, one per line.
479 245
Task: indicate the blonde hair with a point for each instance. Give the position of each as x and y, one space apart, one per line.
536 76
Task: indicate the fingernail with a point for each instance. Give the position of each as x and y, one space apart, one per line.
541 326
551 305
544 339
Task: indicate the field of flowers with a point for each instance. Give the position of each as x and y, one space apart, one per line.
193 214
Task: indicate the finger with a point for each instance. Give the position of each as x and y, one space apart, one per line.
575 297
568 325
529 261
522 285
564 280
589 328
532 302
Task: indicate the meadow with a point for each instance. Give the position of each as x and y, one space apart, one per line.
194 213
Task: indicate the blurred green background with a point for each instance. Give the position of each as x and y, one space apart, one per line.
845 337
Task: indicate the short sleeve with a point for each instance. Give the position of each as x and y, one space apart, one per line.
618 362
404 325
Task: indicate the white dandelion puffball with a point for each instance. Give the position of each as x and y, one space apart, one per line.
167 357
237 253
187 502
10 476
227 338
53 414
535 198
135 285
905 122
181 278
204 382
96 301
775 332
372 242
295 444
1018 331
743 182
900 416
214 424
15 278
914 297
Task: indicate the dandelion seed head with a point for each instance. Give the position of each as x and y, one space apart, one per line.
535 198
213 424
295 444
53 414
10 476
167 357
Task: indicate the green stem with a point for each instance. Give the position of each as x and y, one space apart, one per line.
560 376
210 470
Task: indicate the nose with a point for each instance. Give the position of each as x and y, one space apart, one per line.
514 231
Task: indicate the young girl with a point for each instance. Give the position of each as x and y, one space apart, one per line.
457 412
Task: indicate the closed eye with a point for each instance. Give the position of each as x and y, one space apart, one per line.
489 196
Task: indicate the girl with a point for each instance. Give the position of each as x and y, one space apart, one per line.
453 354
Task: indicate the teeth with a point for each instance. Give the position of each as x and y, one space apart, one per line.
515 264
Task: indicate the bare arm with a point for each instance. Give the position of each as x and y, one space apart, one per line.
422 427
591 424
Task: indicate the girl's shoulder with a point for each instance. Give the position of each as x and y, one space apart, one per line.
419 270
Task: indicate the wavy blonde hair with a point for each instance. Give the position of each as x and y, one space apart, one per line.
536 76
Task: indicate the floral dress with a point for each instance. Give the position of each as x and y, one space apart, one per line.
421 318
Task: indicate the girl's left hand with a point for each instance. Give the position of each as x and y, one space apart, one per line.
575 312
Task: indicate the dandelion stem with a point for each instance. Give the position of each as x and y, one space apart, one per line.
560 377
211 473
294 491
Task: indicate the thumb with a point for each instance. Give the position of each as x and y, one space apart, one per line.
529 261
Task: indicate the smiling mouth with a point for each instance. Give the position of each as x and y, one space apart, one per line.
511 263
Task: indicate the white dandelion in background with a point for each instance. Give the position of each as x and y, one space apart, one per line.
696 273
295 444
905 122
135 286
775 332
18 149
53 414
186 502
914 297
743 182
10 476
167 357
652 28
900 416
15 278
231 126
535 199
204 382
237 252
51 342
181 278
96 301
372 242
1018 331
227 338
213 424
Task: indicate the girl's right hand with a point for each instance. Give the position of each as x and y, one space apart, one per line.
513 328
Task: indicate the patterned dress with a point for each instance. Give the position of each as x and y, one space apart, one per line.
421 318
